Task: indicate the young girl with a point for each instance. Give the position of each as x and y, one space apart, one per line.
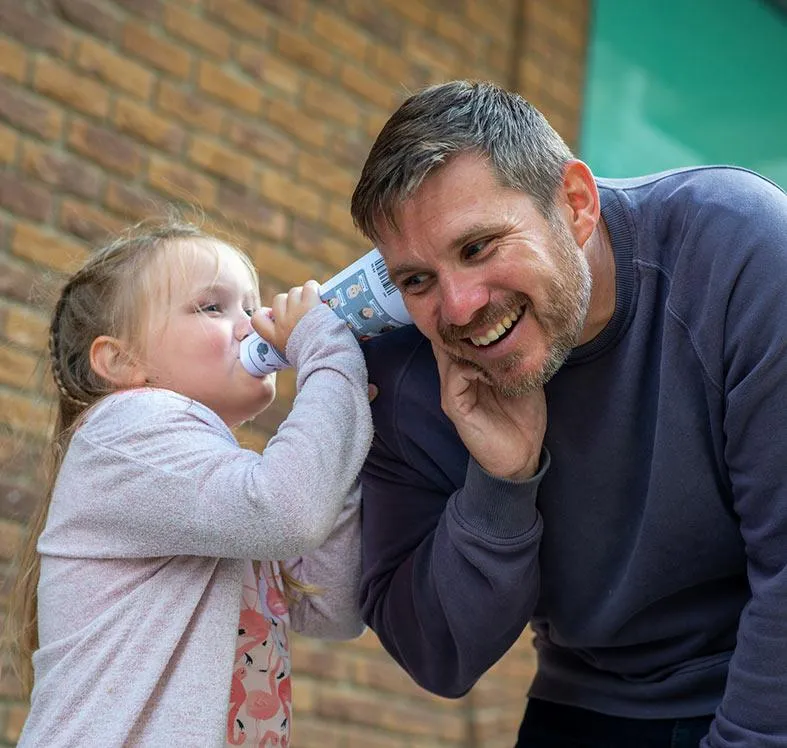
162 612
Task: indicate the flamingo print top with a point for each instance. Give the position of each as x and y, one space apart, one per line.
261 690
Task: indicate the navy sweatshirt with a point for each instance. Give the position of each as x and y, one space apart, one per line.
649 553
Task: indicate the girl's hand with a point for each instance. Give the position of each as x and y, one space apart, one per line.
275 324
504 435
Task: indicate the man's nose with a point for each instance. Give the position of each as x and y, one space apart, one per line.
462 296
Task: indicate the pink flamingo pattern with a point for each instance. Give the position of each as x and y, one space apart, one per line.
261 687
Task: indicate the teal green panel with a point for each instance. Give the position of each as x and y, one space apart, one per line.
683 82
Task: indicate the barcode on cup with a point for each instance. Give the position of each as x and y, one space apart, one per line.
382 273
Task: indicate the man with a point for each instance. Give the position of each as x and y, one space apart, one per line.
587 431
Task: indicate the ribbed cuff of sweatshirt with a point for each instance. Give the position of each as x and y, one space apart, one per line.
322 336
499 507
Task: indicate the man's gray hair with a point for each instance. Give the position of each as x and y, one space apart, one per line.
445 120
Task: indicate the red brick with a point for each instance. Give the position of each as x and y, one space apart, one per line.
375 710
21 282
322 663
262 141
13 60
217 159
415 11
339 33
311 240
351 148
302 127
18 369
91 16
117 71
340 220
314 733
61 170
265 66
379 23
9 142
155 49
326 174
276 263
24 198
26 327
431 53
367 86
18 500
398 69
228 88
326 101
105 147
34 29
199 33
142 124
58 82
149 9
189 108
24 414
131 203
298 198
246 208
241 16
489 20
385 676
180 182
30 113
292 10
88 223
47 248
305 53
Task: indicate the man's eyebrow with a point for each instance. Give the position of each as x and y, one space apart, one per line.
470 234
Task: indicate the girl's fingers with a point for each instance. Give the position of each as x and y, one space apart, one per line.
311 292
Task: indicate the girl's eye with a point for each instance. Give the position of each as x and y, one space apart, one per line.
249 312
210 308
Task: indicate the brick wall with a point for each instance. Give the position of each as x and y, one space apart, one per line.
260 112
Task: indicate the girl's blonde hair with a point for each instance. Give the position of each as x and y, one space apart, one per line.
104 297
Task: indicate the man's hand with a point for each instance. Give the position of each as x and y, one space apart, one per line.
504 435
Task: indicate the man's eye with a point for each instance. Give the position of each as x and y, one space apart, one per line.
471 250
412 282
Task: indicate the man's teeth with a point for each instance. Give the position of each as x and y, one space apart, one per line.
493 333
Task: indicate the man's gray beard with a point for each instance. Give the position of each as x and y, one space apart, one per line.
569 298
529 381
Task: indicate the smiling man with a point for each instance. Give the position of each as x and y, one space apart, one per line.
584 431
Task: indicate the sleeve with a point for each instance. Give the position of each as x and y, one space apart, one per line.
754 382
157 477
335 570
450 577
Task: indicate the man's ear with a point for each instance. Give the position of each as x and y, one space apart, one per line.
580 202
110 359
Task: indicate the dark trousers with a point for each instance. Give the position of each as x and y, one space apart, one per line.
548 725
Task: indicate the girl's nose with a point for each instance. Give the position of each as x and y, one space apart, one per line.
243 327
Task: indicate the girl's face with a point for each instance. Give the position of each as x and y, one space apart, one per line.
195 325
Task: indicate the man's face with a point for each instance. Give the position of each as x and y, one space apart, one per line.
486 277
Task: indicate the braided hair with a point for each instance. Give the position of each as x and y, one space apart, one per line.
104 297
